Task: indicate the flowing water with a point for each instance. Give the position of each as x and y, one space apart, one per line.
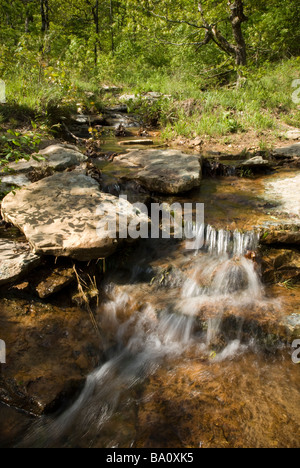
183 335
191 360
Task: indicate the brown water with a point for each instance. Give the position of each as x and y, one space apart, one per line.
194 353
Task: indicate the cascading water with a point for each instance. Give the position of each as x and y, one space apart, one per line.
218 276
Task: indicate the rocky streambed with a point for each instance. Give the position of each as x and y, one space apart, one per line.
76 303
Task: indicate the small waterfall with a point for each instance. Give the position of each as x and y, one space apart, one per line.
222 242
221 277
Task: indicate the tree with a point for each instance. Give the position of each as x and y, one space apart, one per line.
211 18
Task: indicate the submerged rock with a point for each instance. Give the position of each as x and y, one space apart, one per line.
281 266
16 260
163 171
56 157
67 215
54 281
50 351
144 142
292 324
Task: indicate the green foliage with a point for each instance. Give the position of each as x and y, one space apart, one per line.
16 145
150 46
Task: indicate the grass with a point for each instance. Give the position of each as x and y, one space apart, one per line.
261 104
193 108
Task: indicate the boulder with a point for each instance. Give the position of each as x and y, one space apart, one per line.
288 151
56 157
67 215
50 352
255 163
163 171
16 260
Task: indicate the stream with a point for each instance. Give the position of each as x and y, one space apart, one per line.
191 360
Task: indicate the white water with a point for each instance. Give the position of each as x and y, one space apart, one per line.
147 338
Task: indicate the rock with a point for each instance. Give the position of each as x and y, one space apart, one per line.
88 119
286 192
111 89
151 97
66 215
293 134
288 151
117 109
255 163
115 120
163 171
277 236
16 261
9 182
56 157
144 142
292 324
50 351
55 281
129 97
279 266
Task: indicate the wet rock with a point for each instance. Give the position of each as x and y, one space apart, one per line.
280 266
116 119
219 404
50 352
67 215
292 324
163 171
16 261
288 151
54 281
88 119
281 236
144 142
56 157
120 108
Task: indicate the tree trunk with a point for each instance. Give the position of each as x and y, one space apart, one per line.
111 14
45 15
237 18
97 30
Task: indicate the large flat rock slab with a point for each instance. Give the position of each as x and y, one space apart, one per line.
66 215
285 191
163 171
16 260
56 157
288 151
